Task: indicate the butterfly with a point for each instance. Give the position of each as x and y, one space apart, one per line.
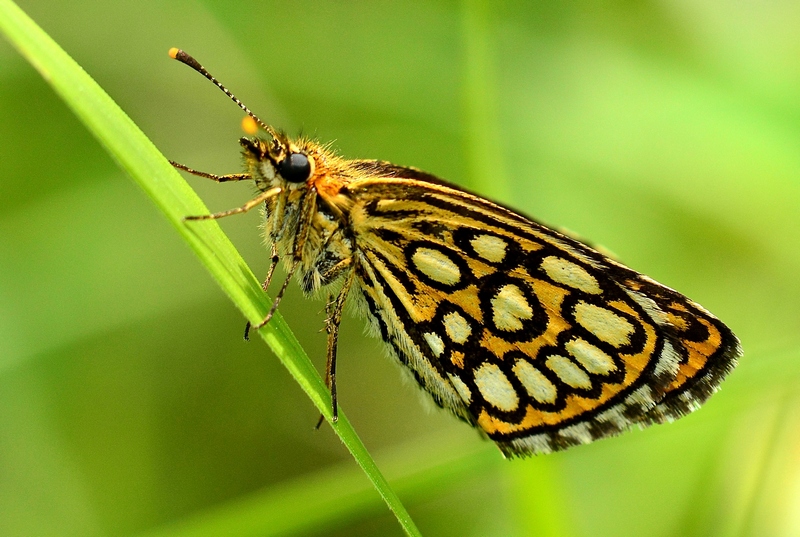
529 335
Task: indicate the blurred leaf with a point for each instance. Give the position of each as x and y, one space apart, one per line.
320 501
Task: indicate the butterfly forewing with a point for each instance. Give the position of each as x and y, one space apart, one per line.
530 335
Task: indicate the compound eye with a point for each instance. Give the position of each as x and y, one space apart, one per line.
295 168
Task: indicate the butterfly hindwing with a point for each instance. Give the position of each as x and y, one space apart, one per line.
534 337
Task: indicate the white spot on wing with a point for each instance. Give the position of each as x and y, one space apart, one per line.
569 373
649 306
604 323
668 360
510 308
436 266
535 382
457 327
568 273
489 247
461 388
590 357
495 387
435 342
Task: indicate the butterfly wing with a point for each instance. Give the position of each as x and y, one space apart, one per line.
532 336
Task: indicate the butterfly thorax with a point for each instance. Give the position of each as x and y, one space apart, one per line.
307 220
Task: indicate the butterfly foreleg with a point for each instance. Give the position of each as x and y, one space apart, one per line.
261 198
214 177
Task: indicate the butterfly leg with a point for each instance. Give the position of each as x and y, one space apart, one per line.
279 296
300 239
274 259
273 263
214 177
329 306
333 310
261 198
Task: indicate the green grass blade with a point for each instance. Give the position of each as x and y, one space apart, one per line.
140 158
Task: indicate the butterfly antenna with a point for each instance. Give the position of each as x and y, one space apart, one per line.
183 57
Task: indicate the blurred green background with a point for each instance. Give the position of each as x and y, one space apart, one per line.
668 132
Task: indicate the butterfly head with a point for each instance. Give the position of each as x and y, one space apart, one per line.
279 161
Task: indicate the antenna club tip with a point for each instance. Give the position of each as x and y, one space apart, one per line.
173 53
249 125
